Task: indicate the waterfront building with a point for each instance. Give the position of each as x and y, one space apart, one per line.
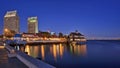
29 35
32 25
44 34
76 37
11 22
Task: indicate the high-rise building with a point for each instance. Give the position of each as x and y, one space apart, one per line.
11 22
32 25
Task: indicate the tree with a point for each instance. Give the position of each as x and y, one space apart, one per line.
1 36
9 33
12 32
60 35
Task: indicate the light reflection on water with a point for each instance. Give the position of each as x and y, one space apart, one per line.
96 54
56 50
32 50
42 52
58 55
78 49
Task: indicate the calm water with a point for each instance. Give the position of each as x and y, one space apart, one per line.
93 54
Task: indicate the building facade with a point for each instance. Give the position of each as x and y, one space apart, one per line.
11 22
32 25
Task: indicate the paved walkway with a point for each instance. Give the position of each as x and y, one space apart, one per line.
6 62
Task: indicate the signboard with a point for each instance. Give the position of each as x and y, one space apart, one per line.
32 20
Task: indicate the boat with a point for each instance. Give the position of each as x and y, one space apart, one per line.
76 38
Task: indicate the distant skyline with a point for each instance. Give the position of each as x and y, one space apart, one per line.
93 18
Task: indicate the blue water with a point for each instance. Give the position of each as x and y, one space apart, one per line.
93 54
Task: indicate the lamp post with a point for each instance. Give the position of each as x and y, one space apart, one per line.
6 30
5 33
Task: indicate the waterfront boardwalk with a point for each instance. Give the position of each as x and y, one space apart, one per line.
12 58
6 62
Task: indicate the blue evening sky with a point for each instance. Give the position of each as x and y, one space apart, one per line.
93 18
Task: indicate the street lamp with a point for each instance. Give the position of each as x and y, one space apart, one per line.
6 30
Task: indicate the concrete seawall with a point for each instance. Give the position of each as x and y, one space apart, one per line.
26 59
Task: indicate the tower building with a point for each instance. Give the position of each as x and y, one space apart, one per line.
32 25
11 22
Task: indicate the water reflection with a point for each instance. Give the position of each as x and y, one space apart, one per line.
54 50
32 50
42 52
57 50
27 49
79 49
99 54
61 50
